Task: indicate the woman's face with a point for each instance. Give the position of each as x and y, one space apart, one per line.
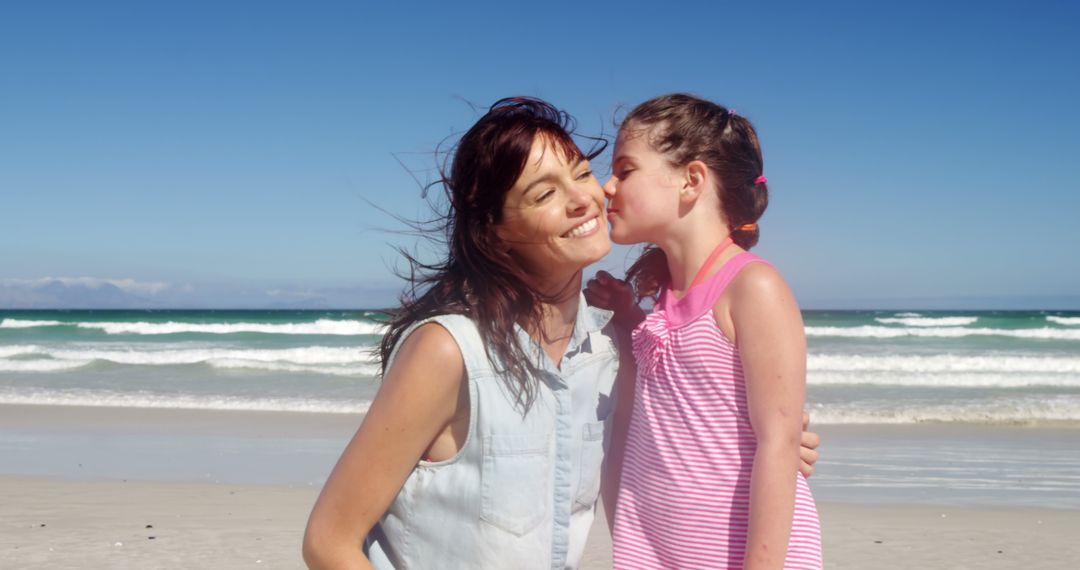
554 219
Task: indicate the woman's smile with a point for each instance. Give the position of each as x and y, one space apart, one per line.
584 229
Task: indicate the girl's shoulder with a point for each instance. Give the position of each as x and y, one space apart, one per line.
756 277
754 293
742 272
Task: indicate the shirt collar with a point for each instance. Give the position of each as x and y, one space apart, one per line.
589 320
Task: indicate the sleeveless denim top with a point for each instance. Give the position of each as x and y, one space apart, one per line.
521 492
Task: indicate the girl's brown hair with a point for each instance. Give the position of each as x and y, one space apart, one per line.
685 128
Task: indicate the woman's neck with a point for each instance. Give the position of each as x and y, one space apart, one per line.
558 313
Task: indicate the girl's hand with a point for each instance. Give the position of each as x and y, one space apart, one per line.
809 443
607 292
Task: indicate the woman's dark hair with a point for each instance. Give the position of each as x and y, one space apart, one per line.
685 128
479 278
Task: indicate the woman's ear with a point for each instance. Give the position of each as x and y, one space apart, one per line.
696 182
502 238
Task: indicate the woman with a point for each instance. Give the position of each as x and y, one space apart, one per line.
484 445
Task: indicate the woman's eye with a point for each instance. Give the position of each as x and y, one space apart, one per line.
545 195
622 174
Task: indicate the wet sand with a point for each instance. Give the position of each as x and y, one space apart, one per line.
127 488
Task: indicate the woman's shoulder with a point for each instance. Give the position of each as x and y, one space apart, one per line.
449 329
439 337
435 340
429 351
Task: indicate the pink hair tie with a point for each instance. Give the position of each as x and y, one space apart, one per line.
760 180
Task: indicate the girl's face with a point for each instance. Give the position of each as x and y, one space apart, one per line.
643 191
553 217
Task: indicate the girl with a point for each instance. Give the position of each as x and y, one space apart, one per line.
710 475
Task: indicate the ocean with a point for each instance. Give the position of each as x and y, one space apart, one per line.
864 367
936 407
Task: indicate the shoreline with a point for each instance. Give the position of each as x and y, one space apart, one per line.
233 489
959 464
79 524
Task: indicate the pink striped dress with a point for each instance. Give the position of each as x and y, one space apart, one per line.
684 499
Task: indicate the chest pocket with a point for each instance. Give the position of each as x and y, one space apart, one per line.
516 481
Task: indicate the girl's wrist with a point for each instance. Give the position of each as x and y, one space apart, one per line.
630 318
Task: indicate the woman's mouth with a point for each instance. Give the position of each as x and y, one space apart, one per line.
584 228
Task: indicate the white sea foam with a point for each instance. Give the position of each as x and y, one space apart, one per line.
104 398
298 355
1068 321
41 365
942 379
319 327
944 363
314 359
944 370
358 370
929 321
868 331
1061 409
19 349
25 324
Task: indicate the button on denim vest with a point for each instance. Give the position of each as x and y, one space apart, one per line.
521 492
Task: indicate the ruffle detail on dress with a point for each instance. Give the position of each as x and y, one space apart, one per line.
650 340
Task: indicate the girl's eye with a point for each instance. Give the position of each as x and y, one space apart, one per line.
585 175
624 173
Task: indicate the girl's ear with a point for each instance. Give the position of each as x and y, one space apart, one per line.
696 182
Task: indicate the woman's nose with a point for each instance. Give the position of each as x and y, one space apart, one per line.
579 199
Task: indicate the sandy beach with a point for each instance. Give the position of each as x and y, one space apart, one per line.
136 524
232 490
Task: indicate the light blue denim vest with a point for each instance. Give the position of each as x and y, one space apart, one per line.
522 491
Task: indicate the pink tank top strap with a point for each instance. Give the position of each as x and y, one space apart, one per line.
700 299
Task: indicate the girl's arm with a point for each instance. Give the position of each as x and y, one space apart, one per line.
606 292
615 295
418 398
772 346
619 426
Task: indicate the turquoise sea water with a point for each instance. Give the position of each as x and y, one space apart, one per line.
879 367
944 388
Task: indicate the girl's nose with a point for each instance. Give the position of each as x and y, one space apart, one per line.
609 187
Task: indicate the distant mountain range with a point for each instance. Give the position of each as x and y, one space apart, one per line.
92 293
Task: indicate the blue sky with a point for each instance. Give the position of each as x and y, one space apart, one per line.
224 153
